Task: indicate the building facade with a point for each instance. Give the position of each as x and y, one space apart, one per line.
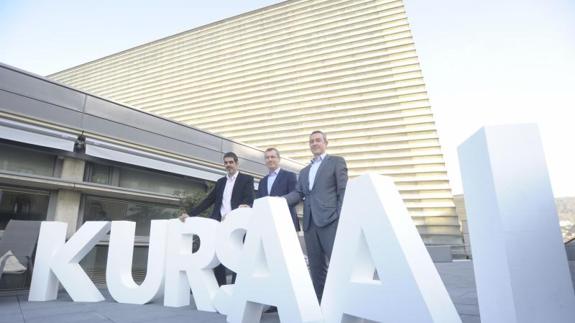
271 76
73 157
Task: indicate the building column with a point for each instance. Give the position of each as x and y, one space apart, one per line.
68 201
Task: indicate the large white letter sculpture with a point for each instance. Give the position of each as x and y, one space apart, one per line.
376 237
521 270
57 260
185 269
273 269
229 247
119 280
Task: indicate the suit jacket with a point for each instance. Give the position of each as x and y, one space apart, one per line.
243 193
284 184
322 204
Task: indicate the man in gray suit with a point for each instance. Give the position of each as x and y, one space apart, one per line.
321 186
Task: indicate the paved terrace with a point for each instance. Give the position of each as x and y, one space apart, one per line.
457 276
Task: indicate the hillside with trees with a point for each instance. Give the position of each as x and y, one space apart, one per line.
566 212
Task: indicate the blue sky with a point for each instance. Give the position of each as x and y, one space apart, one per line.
484 62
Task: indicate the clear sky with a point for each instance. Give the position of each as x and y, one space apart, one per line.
484 62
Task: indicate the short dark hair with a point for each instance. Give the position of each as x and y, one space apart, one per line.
230 154
273 149
321 132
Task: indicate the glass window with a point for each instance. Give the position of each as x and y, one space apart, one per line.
100 174
22 204
106 209
15 159
158 183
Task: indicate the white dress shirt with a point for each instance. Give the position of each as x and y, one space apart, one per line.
315 163
272 178
227 197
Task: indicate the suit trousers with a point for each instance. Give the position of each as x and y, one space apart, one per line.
319 245
220 273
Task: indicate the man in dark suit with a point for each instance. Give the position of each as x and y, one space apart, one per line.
278 182
321 185
231 191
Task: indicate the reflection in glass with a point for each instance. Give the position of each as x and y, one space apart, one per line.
15 159
100 174
106 209
22 204
157 183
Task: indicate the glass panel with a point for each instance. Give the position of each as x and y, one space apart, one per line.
157 183
105 209
20 160
96 260
22 204
99 174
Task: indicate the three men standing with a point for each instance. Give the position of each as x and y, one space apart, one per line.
321 186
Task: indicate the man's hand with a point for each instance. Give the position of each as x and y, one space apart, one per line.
183 217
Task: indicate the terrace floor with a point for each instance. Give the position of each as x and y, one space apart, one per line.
457 276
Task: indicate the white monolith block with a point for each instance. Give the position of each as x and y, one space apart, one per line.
380 269
62 259
185 270
119 280
521 269
272 270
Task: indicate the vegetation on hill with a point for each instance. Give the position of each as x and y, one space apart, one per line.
566 212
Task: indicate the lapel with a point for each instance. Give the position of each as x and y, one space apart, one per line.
236 187
305 174
319 171
275 184
263 187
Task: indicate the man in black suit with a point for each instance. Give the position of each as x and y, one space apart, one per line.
232 191
278 182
